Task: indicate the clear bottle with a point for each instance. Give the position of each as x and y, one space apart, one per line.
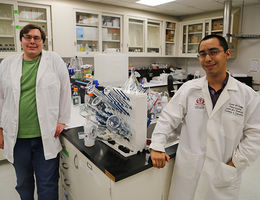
76 97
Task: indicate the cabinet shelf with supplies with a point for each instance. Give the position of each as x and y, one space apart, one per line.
170 35
97 32
194 31
192 34
7 29
87 32
111 33
38 15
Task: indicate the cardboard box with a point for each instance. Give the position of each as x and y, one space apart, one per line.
217 24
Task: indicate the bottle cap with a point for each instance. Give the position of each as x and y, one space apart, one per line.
96 83
76 89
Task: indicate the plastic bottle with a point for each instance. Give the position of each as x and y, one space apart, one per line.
76 97
91 97
88 98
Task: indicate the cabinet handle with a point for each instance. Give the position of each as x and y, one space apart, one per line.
65 165
76 161
89 165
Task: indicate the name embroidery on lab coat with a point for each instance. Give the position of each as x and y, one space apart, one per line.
235 109
200 103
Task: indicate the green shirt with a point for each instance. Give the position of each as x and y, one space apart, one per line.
28 119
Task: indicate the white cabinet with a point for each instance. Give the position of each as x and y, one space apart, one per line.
13 16
87 32
194 31
38 15
81 179
144 37
111 33
8 38
154 39
192 34
136 35
96 32
170 38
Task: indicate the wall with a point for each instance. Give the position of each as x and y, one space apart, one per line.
248 48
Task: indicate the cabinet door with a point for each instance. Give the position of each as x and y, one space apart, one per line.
82 178
91 180
7 29
154 37
68 170
136 35
195 33
87 32
38 15
217 26
170 38
111 33
192 34
152 184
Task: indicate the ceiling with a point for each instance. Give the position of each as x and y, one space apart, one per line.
179 7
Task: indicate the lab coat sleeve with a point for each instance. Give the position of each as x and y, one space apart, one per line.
1 93
65 93
249 148
169 120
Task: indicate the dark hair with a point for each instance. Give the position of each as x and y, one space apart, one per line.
222 41
29 27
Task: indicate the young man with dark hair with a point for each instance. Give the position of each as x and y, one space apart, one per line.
220 133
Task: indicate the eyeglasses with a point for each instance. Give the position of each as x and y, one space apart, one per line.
35 38
211 53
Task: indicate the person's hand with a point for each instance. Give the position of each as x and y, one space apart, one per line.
1 139
59 129
158 158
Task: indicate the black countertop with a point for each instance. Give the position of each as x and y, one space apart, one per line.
108 160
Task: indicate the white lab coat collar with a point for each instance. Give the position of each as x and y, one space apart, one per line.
223 98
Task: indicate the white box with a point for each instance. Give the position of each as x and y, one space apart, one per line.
111 69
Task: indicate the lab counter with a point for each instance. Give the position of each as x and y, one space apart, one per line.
99 172
108 160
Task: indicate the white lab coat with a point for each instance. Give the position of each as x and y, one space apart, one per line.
210 138
53 99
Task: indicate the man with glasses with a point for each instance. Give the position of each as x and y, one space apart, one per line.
35 102
220 133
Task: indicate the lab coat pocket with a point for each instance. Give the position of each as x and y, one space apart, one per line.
232 126
225 175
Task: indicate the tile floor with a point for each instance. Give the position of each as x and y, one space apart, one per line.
249 187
